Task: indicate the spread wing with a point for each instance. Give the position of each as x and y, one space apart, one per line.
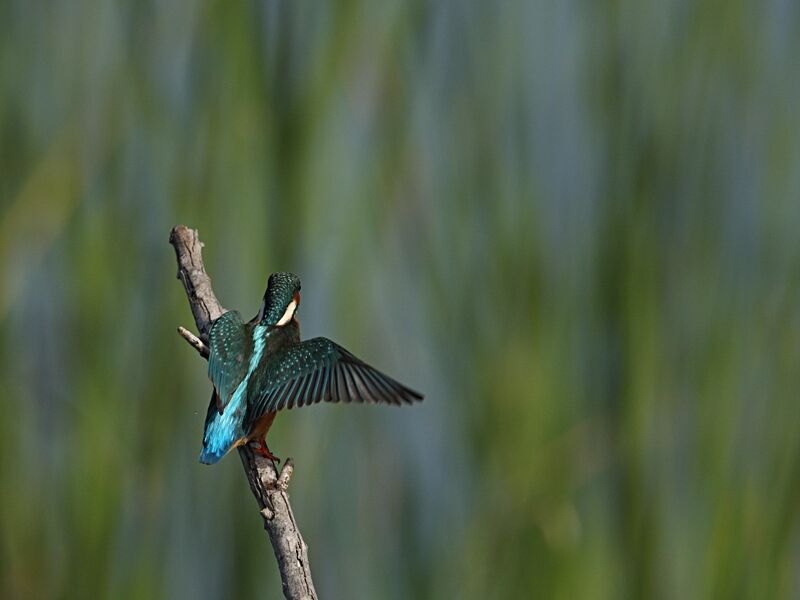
229 345
317 370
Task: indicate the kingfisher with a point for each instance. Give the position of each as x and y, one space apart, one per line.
260 367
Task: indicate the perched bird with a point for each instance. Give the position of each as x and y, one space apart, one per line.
261 367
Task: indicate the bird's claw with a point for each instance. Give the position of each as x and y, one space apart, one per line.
262 450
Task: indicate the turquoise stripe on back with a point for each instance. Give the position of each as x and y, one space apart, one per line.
226 428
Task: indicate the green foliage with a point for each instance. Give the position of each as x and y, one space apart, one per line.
572 225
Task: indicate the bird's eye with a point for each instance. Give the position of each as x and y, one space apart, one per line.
287 316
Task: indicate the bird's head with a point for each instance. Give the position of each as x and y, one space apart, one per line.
280 300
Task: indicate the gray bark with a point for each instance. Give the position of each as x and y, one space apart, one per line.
268 487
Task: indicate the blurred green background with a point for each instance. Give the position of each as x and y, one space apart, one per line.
574 225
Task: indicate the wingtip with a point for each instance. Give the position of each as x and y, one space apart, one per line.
415 397
411 396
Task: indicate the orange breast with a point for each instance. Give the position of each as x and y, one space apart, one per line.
259 431
262 427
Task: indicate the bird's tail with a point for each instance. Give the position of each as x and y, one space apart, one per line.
216 444
219 433
210 457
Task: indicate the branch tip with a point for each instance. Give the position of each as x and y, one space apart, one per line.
286 474
194 341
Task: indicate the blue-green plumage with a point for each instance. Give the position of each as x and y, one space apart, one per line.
261 367
235 351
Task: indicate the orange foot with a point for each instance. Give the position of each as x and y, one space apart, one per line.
262 450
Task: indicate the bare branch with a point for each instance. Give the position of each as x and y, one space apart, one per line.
267 486
202 300
194 341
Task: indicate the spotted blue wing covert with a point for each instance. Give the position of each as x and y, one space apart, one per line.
229 345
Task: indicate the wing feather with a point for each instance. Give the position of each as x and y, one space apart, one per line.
376 390
364 389
336 388
383 388
323 371
325 396
311 387
352 390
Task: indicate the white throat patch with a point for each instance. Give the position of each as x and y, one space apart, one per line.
287 316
